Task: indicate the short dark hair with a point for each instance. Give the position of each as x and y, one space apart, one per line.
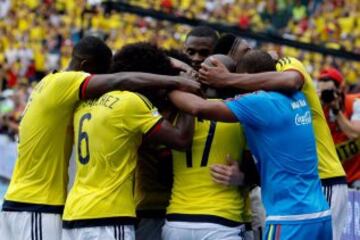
174 53
95 51
256 61
203 31
224 44
148 58
142 57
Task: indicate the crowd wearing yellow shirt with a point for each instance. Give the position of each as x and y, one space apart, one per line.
334 22
36 37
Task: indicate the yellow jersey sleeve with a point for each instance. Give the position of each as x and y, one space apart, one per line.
141 115
290 63
64 87
46 139
329 163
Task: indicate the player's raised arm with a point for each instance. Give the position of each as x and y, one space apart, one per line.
197 106
178 137
288 80
97 85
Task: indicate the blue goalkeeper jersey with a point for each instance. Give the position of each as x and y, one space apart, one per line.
279 132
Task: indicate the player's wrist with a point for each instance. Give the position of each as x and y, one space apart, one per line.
229 80
174 83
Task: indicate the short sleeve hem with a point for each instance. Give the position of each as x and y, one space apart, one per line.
154 128
233 108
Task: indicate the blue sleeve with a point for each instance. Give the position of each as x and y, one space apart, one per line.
250 109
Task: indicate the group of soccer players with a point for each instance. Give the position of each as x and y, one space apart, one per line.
163 156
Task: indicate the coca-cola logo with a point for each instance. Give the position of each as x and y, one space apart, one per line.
303 119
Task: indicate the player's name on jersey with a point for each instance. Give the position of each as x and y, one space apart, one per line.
349 149
298 104
106 100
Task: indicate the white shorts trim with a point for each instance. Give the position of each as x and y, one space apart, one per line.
30 225
337 197
116 232
199 225
181 230
300 217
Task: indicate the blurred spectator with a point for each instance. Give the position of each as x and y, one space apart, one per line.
342 112
166 5
322 21
4 8
36 37
298 11
12 105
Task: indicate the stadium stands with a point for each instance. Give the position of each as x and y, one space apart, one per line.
37 38
52 29
314 21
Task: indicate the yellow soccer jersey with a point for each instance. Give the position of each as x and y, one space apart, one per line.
195 196
45 144
329 163
108 133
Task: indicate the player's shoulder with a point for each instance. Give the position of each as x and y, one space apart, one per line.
272 99
124 95
134 99
287 63
69 74
251 99
255 94
66 79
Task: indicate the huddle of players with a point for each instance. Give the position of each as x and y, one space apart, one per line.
108 131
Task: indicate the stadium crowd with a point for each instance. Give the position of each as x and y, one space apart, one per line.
38 38
334 23
54 26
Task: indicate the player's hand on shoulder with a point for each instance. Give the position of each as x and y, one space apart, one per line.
192 74
214 75
185 69
187 84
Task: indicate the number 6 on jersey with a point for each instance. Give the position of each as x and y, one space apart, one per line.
83 136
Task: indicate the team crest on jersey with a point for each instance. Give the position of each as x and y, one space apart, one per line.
155 112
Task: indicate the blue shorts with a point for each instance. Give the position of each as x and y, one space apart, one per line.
319 230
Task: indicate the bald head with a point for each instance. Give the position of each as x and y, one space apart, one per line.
228 62
256 61
222 93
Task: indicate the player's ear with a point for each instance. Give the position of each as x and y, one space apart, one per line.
83 64
87 66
